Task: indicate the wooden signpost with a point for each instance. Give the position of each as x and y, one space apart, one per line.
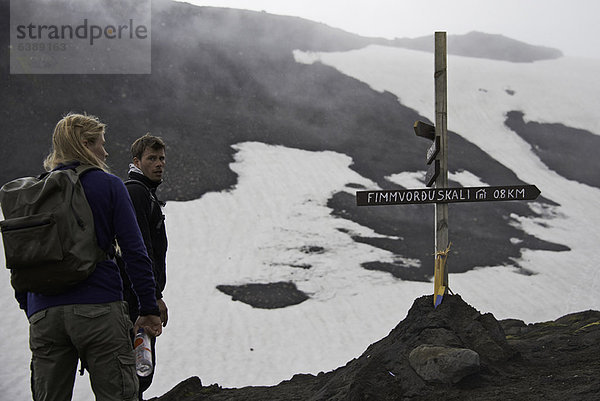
437 174
442 244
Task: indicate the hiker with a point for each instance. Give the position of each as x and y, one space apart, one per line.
89 321
145 175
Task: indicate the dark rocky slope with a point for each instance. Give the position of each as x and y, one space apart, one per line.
566 150
555 360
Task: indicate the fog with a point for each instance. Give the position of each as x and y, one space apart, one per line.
570 26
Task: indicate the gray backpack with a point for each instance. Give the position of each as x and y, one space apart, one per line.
48 232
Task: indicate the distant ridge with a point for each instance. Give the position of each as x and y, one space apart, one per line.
485 45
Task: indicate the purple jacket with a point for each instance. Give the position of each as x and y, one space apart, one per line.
113 217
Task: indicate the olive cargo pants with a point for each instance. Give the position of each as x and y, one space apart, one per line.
99 334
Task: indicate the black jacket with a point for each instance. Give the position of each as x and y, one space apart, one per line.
148 210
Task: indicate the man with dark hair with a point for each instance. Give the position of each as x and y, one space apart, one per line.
145 175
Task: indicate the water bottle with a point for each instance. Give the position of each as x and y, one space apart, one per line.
143 353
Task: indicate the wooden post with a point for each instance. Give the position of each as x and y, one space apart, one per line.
441 131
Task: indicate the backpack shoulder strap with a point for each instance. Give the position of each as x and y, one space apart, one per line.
131 181
136 182
79 171
154 202
84 168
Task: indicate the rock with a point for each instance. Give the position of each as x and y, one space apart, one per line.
265 295
183 390
512 327
443 364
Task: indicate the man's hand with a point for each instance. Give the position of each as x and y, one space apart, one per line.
164 311
150 324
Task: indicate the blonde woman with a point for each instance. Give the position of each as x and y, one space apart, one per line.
90 321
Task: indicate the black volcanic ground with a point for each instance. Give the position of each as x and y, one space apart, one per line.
554 360
571 152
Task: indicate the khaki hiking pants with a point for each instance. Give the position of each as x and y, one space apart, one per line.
99 334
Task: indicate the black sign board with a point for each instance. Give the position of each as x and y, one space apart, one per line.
447 195
433 150
432 173
424 130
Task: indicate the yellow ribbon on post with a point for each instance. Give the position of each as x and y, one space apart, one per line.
439 287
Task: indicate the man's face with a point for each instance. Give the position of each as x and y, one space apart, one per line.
152 163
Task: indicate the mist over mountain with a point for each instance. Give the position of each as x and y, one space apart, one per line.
224 76
484 45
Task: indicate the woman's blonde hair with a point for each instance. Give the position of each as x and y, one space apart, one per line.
68 141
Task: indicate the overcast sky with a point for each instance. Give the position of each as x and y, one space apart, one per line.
569 25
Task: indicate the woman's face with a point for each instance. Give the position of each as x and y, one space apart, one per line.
97 148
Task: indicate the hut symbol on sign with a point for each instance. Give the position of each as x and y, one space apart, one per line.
481 194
